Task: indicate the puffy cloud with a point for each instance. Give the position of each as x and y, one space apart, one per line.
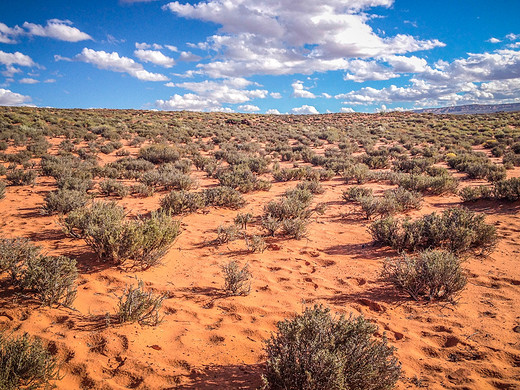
28 81
249 108
494 40
513 37
155 57
57 29
276 95
10 71
188 56
189 102
284 37
16 58
347 110
478 78
305 110
8 98
8 35
299 91
144 46
115 63
211 95
384 68
272 111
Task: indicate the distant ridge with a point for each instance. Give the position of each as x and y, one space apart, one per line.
472 109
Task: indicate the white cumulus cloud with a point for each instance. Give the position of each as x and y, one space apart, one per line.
305 110
9 98
155 57
299 91
57 29
28 80
16 58
8 34
116 63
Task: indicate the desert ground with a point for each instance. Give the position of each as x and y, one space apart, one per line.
209 339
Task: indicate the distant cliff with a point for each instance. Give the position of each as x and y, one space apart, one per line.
473 109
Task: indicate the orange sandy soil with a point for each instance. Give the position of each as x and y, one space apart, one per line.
210 341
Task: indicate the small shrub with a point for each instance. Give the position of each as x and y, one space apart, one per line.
136 305
434 274
159 153
51 278
180 202
20 177
237 280
14 252
356 192
142 190
318 351
25 363
112 186
242 219
63 201
508 189
472 194
105 230
256 244
223 196
270 224
295 228
227 233
456 229
2 190
313 186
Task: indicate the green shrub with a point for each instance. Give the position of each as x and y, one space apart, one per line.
241 178
2 190
313 186
20 177
105 230
434 274
25 363
63 201
51 278
242 219
159 153
227 233
237 280
318 351
222 196
472 194
112 186
456 229
256 244
508 189
181 202
136 305
14 252
358 172
142 190
295 228
356 192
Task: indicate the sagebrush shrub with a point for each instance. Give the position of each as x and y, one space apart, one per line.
472 194
242 219
136 305
159 153
20 177
456 229
104 228
2 190
52 278
319 351
237 280
433 274
227 233
256 244
113 187
180 202
356 192
25 363
63 201
508 189
14 252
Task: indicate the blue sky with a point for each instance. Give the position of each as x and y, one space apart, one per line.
265 56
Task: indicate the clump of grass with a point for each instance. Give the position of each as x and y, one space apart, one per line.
25 363
237 280
136 305
316 350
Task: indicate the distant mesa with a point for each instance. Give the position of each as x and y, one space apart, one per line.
472 109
